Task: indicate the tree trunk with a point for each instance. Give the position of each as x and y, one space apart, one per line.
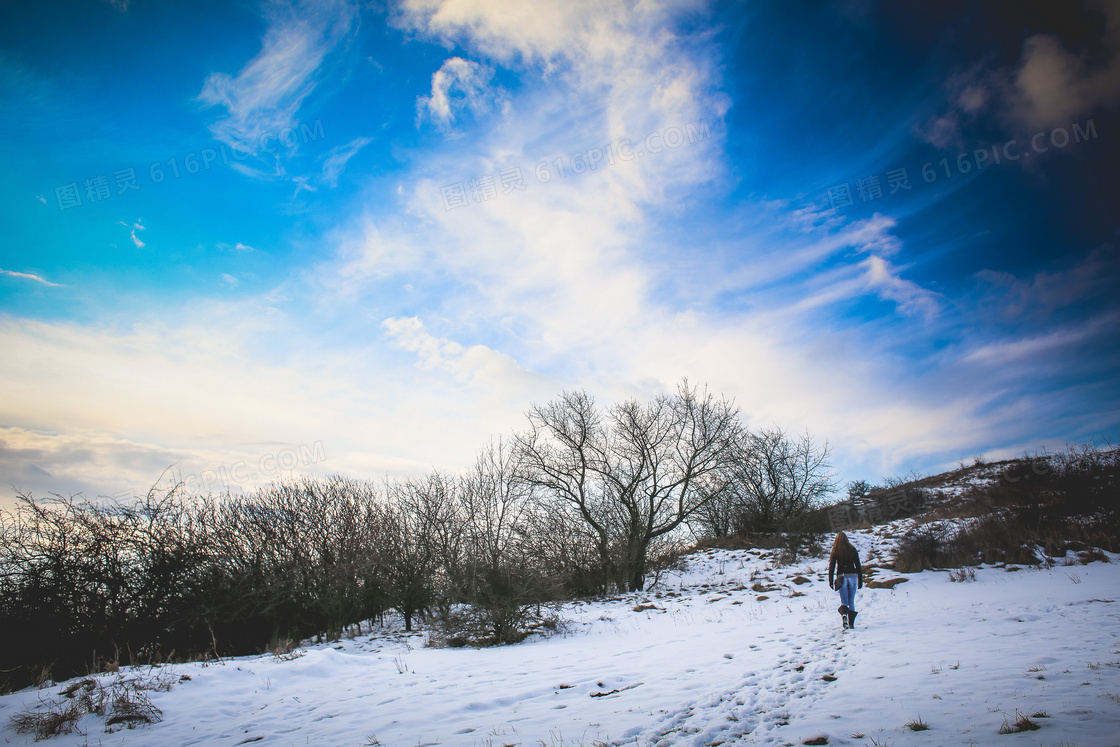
636 565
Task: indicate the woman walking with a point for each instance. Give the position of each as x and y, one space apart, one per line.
843 564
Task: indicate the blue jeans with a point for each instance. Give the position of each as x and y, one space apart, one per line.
848 593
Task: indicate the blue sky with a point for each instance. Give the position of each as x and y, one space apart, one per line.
352 237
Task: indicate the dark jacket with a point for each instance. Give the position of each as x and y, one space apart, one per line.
840 568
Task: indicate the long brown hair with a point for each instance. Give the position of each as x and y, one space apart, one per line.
843 551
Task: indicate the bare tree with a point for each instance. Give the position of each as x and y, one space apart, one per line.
502 576
493 506
632 473
423 536
858 489
779 479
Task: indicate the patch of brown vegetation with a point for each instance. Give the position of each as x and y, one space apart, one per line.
888 584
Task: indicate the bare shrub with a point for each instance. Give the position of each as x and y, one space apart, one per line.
284 648
996 538
129 707
468 625
922 548
53 719
962 575
1065 495
122 702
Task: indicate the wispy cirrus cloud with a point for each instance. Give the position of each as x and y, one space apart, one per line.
885 279
1043 348
29 276
335 161
236 247
137 226
265 96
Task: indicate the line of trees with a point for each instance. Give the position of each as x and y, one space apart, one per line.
584 501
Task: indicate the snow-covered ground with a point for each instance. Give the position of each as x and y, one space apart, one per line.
708 660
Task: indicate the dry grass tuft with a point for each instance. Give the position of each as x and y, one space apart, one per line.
917 724
1021 723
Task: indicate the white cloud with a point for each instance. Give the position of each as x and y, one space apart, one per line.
266 95
465 363
458 84
138 226
110 407
235 247
29 276
913 299
1041 348
433 329
620 59
75 460
572 279
370 251
303 184
560 280
336 160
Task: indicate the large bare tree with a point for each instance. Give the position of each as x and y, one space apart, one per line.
632 473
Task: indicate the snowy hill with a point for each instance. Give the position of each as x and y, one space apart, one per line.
731 649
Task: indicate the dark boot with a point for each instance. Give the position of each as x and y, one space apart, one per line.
852 618
843 615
